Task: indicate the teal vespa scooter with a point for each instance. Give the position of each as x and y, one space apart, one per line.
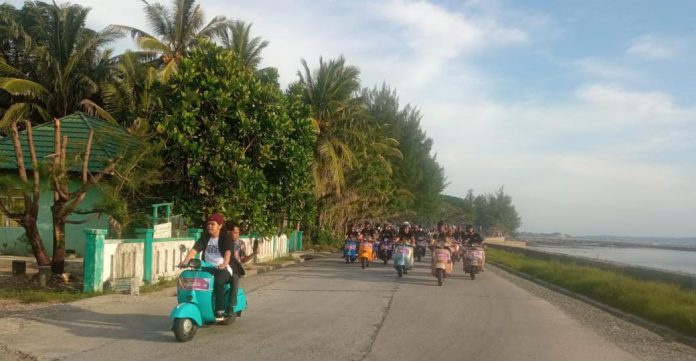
195 297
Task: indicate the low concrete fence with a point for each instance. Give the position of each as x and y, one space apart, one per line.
684 280
147 259
503 242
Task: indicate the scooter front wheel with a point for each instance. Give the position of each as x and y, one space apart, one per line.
401 271
440 272
184 329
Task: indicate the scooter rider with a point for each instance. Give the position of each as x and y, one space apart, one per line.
471 237
217 249
407 236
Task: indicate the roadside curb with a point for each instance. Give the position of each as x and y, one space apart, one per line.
259 269
662 331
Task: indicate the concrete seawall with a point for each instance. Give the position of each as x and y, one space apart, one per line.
684 280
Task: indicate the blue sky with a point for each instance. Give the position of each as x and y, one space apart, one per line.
584 110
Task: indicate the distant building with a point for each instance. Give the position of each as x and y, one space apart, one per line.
109 141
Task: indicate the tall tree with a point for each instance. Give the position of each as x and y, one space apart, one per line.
231 145
237 37
52 65
174 31
330 91
31 191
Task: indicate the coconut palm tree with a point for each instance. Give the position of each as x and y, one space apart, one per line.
58 62
175 30
352 154
237 37
330 91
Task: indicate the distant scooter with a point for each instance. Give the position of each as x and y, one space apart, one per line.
385 250
421 247
473 260
441 263
402 258
195 296
350 250
365 250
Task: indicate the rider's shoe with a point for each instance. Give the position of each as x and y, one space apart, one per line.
219 316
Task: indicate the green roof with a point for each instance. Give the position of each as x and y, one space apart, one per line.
109 142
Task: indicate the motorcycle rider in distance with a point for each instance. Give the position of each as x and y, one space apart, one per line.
407 236
470 238
442 240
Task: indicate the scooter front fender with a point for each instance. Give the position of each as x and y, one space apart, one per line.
187 310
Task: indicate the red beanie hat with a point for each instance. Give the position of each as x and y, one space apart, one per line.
216 217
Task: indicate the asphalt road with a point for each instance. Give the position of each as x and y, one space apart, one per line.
324 310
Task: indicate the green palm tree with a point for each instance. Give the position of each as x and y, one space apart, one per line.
57 62
330 91
175 30
237 37
128 94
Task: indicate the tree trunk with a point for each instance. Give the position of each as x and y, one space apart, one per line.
34 239
58 264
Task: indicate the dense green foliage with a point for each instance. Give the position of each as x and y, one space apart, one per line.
324 152
664 303
230 145
494 213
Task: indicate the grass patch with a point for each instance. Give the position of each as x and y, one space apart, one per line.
45 296
663 303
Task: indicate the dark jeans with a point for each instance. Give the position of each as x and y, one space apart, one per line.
235 286
222 277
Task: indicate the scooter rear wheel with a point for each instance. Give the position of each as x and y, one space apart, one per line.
401 271
473 275
440 271
184 329
363 262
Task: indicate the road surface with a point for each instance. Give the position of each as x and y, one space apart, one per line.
324 309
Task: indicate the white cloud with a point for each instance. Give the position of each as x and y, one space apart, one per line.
435 36
593 162
599 68
652 48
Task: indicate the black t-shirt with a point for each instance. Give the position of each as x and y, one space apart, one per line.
472 238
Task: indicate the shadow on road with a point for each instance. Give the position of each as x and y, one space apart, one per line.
336 269
83 322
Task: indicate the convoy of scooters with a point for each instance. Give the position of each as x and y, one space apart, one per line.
196 284
448 246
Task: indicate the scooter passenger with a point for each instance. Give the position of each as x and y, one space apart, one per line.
239 257
216 247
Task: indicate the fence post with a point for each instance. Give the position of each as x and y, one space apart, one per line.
275 246
147 234
94 260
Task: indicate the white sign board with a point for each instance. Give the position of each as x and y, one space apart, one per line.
163 230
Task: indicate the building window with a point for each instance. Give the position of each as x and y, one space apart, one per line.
13 199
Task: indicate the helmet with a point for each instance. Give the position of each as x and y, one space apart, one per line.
405 224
